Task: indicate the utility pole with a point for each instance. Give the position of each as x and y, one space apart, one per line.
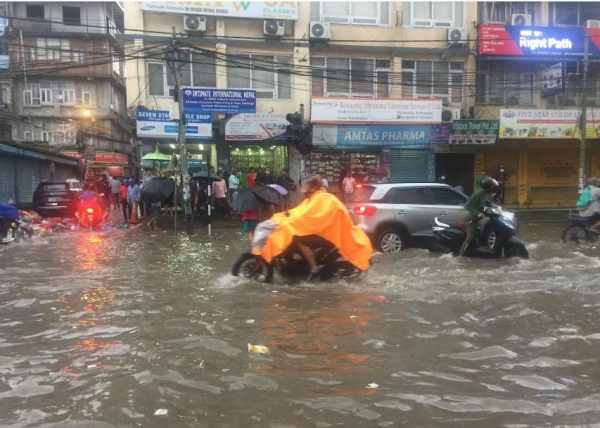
177 58
583 119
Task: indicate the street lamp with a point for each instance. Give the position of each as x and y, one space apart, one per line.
177 58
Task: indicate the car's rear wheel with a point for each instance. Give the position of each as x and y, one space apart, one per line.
391 241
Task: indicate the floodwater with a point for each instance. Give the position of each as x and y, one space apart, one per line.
104 329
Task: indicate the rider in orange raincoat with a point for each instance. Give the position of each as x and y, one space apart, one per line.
320 214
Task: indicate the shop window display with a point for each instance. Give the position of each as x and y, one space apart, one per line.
333 165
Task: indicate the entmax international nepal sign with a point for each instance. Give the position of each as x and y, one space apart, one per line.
211 100
160 124
232 9
525 41
467 131
330 110
546 124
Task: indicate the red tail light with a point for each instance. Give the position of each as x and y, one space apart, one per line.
366 210
90 210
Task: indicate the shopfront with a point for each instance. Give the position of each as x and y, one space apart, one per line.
373 137
539 150
257 141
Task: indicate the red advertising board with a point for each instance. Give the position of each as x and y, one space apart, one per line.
495 40
111 157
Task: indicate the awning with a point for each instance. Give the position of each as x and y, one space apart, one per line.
23 151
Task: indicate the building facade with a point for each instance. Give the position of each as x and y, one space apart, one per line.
389 87
67 83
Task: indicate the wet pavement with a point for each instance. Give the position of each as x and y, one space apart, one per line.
104 329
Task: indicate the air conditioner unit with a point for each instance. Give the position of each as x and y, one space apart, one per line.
450 114
273 28
194 23
320 30
592 23
520 19
457 36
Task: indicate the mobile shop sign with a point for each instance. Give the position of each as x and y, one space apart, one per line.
329 110
256 127
507 40
232 9
159 124
546 123
372 135
211 100
474 131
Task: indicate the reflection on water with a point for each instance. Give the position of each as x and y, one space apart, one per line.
109 327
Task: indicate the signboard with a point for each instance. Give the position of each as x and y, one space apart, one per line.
546 124
111 157
231 9
329 110
372 135
553 80
211 100
474 131
256 127
440 134
159 124
507 40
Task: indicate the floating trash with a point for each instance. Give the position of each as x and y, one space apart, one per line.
258 349
161 412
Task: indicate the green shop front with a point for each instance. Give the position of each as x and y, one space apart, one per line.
255 141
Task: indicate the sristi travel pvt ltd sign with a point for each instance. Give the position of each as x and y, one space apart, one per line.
507 40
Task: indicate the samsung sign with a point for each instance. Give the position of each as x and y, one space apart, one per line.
507 40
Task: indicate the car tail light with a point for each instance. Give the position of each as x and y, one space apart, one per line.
366 210
90 211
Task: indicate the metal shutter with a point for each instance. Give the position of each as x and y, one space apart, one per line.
409 166
28 177
7 180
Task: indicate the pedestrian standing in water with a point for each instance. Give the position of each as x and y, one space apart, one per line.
123 190
251 179
250 220
133 196
115 196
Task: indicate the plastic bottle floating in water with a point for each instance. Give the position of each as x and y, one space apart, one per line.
258 349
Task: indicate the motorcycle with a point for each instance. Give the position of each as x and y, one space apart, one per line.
9 223
577 232
290 262
496 237
91 213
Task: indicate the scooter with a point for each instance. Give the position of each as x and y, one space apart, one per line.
91 214
496 237
9 224
577 232
291 264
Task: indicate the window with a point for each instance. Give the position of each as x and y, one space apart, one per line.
433 79
156 79
409 196
447 197
31 94
199 71
34 11
71 15
269 75
442 14
499 83
46 92
53 50
502 12
46 136
82 97
5 94
574 13
351 77
571 95
28 136
355 12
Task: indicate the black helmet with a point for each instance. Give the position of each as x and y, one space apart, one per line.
489 184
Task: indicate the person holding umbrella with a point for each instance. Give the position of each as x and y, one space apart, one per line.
250 201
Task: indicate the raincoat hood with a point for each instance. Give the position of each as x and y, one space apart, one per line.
324 215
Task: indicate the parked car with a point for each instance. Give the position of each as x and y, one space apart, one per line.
399 215
57 198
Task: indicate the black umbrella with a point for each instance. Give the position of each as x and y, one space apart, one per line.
158 189
269 195
205 177
245 200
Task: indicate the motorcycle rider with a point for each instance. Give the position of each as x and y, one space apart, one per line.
89 199
474 207
308 187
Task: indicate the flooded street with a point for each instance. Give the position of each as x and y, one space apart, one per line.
104 329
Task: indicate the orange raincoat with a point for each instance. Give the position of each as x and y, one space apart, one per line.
324 215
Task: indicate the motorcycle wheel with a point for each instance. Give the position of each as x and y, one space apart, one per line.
345 270
253 267
576 234
516 251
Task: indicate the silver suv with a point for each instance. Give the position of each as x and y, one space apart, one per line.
395 215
